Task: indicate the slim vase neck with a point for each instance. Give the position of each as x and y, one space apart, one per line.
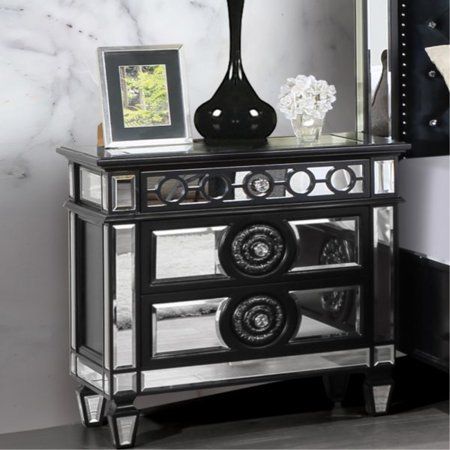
235 11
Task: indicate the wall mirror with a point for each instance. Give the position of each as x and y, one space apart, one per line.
354 52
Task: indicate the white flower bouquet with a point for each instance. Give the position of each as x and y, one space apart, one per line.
306 95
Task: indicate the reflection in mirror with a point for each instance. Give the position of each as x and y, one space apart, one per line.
145 96
216 187
125 382
359 187
324 244
300 182
186 326
384 177
193 375
186 253
383 221
328 312
172 190
379 70
91 186
71 180
341 180
124 317
357 169
90 373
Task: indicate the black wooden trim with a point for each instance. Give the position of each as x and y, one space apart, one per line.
276 150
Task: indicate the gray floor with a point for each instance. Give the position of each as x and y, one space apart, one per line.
422 428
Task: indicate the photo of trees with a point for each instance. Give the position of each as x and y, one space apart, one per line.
145 96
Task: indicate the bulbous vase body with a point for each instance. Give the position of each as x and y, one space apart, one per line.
235 112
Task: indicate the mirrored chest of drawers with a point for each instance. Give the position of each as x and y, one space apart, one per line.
199 266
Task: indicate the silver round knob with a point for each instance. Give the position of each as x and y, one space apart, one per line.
432 74
260 185
433 123
261 249
261 321
432 24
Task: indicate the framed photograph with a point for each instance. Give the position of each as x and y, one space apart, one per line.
144 96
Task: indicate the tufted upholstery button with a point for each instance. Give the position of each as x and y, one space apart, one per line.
433 123
432 74
432 24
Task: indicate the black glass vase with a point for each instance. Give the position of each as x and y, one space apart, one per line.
235 114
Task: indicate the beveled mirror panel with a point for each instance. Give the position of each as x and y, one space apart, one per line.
186 326
384 177
383 222
124 304
324 244
188 253
380 70
328 312
90 186
123 192
195 375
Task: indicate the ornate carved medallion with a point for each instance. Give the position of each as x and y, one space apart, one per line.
258 249
336 251
333 302
258 320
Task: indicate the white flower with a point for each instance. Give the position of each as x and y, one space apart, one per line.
306 95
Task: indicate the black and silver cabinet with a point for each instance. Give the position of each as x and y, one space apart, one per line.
211 267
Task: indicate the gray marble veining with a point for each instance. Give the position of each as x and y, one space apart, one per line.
50 96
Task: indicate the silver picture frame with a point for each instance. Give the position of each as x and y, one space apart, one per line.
110 140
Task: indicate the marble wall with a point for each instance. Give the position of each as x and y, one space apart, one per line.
50 96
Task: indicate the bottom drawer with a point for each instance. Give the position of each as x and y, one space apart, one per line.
246 322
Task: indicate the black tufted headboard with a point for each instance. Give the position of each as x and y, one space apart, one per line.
424 96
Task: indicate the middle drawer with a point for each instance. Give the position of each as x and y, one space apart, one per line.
242 249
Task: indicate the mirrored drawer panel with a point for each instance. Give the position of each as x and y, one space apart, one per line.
326 243
186 326
252 319
188 253
251 247
328 312
255 184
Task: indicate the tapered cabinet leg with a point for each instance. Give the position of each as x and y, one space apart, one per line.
92 407
123 423
336 386
378 389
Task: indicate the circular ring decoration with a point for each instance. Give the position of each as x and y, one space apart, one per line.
258 249
341 180
215 187
172 190
258 185
336 251
301 182
258 321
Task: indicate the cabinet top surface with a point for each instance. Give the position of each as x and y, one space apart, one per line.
346 145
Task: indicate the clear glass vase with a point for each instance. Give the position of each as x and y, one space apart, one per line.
307 129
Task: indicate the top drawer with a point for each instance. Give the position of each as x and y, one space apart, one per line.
142 191
205 188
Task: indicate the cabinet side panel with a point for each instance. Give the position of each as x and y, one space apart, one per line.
91 295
